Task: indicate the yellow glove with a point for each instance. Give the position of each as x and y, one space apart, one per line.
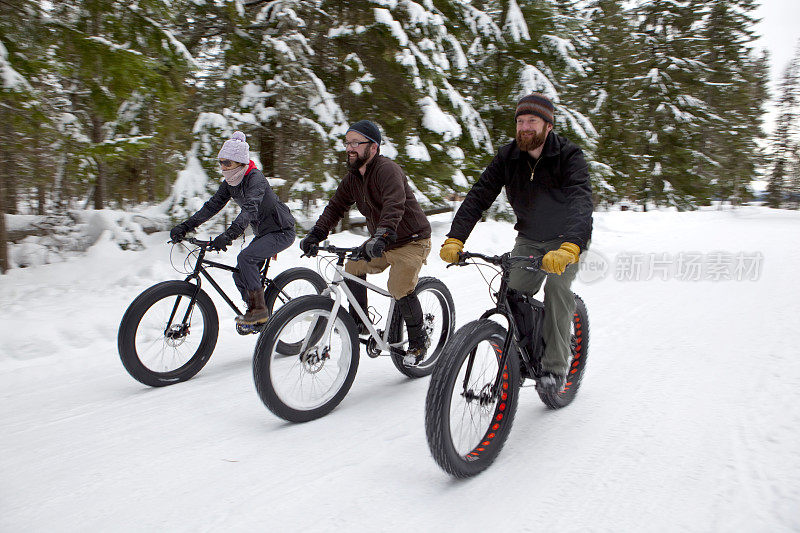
450 249
556 261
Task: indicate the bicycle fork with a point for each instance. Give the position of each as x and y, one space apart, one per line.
525 359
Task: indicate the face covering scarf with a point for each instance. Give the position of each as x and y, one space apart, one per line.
234 176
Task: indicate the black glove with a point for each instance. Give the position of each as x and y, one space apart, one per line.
177 233
375 245
221 242
310 243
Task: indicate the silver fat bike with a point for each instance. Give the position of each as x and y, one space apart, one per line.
306 358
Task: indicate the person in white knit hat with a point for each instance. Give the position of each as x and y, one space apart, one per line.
271 220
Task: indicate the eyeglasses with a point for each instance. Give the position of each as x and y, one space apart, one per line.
226 163
354 144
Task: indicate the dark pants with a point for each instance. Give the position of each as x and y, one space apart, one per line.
253 256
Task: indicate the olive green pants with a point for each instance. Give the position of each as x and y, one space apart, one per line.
406 262
559 302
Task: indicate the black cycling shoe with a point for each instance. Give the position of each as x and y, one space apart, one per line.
550 383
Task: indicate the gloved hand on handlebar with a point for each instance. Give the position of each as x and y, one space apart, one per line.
178 233
450 250
375 245
556 261
221 242
310 243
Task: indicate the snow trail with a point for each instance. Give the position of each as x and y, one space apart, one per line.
686 419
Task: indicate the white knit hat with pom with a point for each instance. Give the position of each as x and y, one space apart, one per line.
236 149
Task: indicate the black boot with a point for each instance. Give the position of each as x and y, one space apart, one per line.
411 310
550 383
360 293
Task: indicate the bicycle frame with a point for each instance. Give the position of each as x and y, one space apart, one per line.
200 268
505 261
333 288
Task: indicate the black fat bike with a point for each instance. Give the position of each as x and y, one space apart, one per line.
169 331
473 394
306 358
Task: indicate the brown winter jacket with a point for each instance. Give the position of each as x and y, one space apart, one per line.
384 197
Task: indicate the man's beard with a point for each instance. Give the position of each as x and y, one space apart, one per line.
531 142
356 163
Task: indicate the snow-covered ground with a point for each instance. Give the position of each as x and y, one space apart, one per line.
687 420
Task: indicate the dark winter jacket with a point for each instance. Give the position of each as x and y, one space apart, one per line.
384 197
556 203
261 207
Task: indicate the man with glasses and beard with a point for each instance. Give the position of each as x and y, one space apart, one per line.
400 232
547 183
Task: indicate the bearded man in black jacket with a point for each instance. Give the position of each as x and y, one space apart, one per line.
547 183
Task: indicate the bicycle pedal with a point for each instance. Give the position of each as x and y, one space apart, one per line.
246 329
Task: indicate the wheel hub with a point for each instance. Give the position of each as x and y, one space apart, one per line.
314 361
484 398
428 320
176 334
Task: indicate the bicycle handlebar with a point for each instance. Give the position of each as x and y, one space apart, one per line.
505 261
354 252
198 242
191 240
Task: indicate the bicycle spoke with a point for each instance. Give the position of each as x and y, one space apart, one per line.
317 372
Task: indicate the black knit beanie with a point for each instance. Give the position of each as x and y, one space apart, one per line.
367 129
536 104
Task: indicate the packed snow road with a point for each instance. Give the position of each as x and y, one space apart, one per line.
687 418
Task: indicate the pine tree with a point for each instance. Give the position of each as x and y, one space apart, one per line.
671 117
24 127
785 145
608 92
116 57
735 91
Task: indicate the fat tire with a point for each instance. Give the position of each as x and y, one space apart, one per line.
262 359
437 404
126 337
272 291
397 325
580 351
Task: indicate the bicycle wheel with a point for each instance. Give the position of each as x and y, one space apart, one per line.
466 421
290 284
311 383
439 318
161 341
577 364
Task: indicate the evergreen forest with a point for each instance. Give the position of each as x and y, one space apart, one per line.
118 104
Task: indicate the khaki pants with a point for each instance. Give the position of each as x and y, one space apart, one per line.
405 261
559 302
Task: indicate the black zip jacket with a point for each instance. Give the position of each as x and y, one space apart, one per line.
556 203
261 207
